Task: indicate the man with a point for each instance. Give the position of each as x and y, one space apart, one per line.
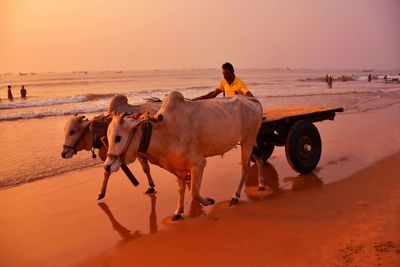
231 84
9 92
23 92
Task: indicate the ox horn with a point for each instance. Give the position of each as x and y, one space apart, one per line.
121 117
80 118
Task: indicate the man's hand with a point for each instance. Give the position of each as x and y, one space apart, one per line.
209 95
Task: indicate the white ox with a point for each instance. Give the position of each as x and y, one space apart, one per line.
80 135
189 132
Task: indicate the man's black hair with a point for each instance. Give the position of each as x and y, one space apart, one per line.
228 66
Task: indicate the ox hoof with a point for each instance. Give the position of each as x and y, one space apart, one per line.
208 201
234 201
261 188
150 191
101 196
176 217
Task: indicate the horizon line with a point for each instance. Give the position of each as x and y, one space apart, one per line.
358 69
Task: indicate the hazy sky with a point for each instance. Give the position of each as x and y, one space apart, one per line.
65 35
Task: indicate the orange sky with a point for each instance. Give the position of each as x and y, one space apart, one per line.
65 35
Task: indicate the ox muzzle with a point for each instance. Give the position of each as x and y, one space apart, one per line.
68 151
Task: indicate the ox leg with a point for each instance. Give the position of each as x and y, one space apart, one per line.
260 163
181 201
246 153
146 169
104 186
196 178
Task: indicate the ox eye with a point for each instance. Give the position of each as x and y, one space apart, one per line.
72 132
117 138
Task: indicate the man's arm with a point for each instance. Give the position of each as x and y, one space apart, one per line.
209 95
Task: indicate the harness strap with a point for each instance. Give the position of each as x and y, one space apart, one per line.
144 141
127 144
99 126
147 129
93 141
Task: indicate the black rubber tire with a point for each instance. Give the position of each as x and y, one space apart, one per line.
303 147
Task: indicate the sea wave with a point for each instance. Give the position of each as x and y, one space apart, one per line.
326 92
69 81
43 114
347 78
258 83
92 103
55 101
24 177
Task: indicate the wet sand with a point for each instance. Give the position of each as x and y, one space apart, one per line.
345 213
354 222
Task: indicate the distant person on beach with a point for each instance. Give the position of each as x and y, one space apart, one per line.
327 78
330 82
23 92
369 78
231 84
10 95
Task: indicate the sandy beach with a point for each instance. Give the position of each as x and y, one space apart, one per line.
354 222
70 59
346 213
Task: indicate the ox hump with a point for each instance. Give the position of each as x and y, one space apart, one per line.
117 102
172 101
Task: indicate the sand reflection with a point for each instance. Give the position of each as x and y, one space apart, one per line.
125 233
304 182
298 183
271 182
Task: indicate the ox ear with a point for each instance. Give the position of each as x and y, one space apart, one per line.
121 117
80 118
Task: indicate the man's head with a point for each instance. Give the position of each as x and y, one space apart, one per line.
228 72
9 86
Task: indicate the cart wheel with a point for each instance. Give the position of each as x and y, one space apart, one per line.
267 150
303 147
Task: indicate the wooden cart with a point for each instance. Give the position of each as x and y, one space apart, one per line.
293 128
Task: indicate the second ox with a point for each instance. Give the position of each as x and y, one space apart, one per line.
83 134
189 132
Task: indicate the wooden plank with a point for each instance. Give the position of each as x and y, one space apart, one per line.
276 114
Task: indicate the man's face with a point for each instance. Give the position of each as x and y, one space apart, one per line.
228 75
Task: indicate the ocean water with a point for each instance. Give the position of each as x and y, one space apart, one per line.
31 129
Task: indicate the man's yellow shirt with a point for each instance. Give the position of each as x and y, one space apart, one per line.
237 87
